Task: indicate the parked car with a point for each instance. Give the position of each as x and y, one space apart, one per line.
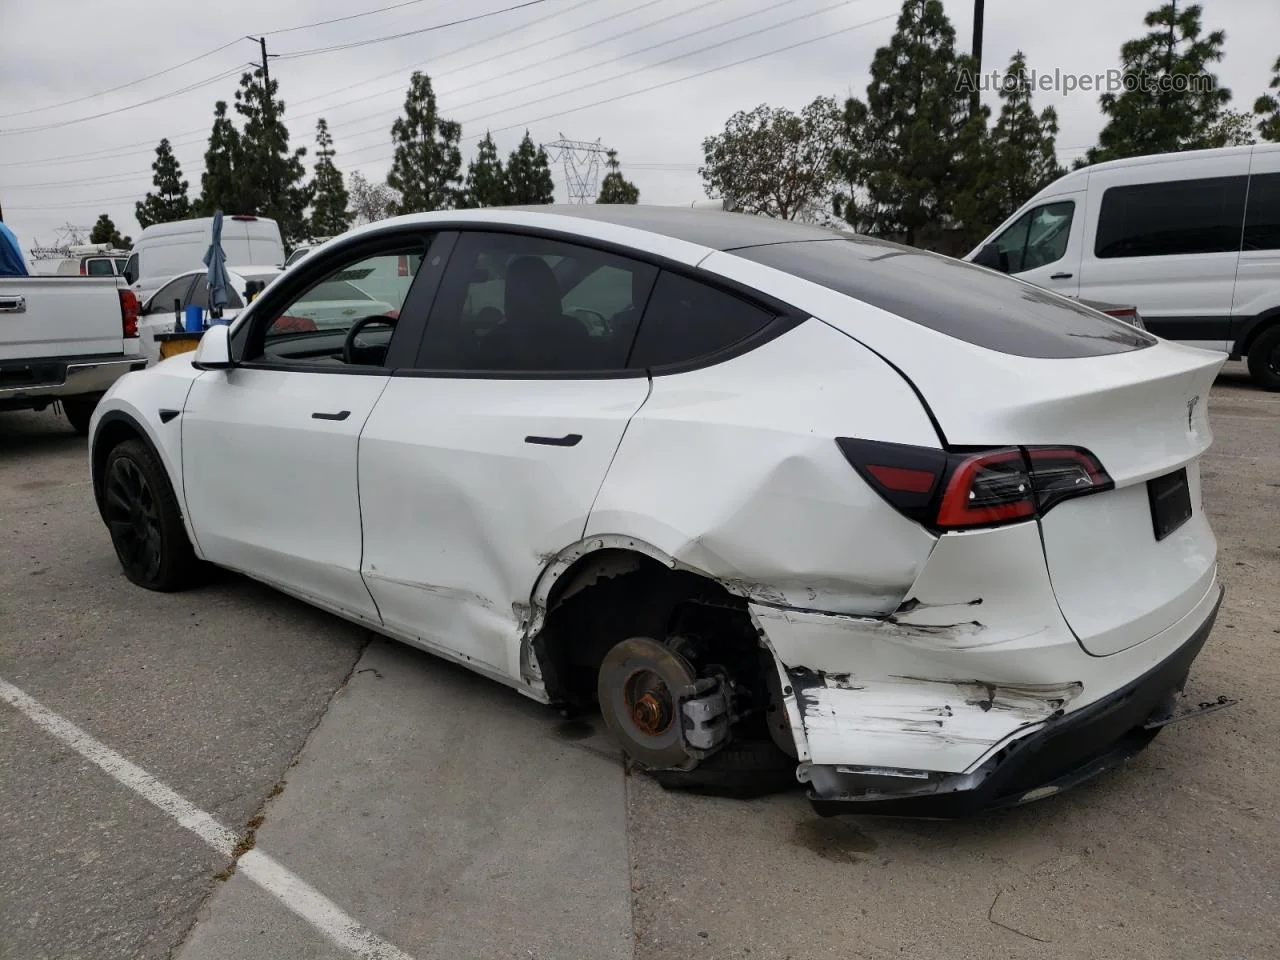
1191 239
768 495
83 260
162 311
65 340
304 249
164 250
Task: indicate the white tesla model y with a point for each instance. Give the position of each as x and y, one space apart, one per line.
925 536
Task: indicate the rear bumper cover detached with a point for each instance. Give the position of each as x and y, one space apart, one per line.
1060 753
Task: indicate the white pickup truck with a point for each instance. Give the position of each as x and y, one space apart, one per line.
65 339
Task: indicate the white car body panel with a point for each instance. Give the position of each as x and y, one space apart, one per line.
271 490
757 495
461 514
43 316
426 514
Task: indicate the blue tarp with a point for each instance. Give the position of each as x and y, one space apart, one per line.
12 263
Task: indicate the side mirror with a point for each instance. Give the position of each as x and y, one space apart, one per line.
214 350
988 256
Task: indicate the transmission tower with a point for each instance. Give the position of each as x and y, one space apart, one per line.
581 161
69 235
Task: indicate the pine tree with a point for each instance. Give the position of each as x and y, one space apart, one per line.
104 231
486 184
1023 155
1267 108
329 214
169 202
221 183
615 188
529 174
1176 103
269 172
910 126
427 169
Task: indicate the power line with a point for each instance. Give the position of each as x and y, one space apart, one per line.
408 33
350 16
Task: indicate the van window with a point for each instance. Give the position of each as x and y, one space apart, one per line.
1171 219
131 268
1037 238
1262 219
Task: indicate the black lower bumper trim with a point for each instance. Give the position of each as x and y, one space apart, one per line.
1060 754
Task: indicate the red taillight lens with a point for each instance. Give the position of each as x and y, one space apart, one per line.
402 266
949 491
128 313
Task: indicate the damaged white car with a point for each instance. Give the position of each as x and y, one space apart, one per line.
928 535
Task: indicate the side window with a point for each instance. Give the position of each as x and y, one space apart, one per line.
131 268
686 320
518 303
200 296
162 300
1047 234
313 324
1010 244
99 268
1262 218
1171 219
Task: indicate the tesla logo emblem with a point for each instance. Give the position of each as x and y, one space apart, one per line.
1191 409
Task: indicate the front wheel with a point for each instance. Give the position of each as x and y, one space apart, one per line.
144 519
1264 359
78 411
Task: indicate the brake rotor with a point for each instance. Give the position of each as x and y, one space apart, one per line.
637 688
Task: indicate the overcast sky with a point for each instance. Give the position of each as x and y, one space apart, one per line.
542 66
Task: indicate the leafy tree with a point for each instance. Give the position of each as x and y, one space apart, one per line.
104 231
1233 128
269 173
1267 108
905 170
221 186
529 177
427 169
369 201
329 214
169 201
616 188
774 162
486 184
1174 103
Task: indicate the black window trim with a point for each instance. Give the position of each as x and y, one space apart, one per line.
786 317
409 326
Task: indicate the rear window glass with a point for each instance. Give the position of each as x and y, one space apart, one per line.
1171 219
964 301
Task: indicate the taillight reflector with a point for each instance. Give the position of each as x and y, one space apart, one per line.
902 478
128 313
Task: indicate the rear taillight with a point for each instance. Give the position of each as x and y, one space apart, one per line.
956 490
402 266
128 313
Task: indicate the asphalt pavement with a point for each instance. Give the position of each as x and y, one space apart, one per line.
399 806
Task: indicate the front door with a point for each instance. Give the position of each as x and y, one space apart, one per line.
477 467
269 446
1043 245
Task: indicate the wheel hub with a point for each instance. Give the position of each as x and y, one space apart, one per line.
652 711
637 688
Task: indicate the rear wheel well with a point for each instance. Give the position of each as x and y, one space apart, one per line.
612 595
1265 322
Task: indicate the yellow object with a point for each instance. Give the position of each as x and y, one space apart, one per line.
172 344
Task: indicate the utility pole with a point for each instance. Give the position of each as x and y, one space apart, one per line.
975 97
268 111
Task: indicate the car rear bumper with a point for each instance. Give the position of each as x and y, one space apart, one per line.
1059 754
63 376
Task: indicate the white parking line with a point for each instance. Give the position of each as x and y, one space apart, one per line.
287 887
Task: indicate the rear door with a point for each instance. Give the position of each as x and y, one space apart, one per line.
1258 276
1167 240
482 461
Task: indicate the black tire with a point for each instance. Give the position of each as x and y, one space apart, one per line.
1264 359
78 410
742 769
144 520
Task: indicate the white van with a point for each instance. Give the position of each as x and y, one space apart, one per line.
1191 239
164 250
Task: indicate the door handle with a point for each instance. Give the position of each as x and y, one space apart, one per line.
13 304
568 440
340 415
1059 276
